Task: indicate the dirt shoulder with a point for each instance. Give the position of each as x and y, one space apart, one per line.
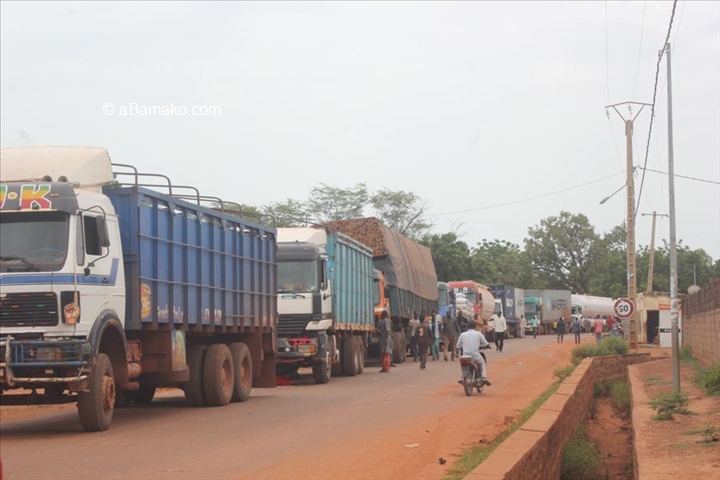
673 449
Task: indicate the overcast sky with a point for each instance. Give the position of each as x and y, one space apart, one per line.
468 105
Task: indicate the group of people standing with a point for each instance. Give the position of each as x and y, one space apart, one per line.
426 331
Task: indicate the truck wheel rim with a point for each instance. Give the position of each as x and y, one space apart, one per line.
108 393
243 373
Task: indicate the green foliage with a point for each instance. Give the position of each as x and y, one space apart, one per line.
708 378
328 203
402 211
601 388
621 397
668 403
562 249
502 263
707 431
289 213
563 372
580 458
607 346
686 354
450 256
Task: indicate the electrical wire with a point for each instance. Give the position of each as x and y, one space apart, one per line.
642 31
487 207
682 176
652 113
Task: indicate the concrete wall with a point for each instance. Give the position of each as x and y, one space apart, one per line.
534 451
701 323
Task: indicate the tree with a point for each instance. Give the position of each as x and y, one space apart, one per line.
561 249
402 211
450 255
608 274
290 213
328 203
499 262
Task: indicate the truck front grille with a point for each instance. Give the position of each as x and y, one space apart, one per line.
38 309
291 325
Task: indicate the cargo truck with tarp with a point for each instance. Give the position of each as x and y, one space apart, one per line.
109 290
325 302
407 269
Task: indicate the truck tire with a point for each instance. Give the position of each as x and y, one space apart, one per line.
194 389
95 407
242 362
219 375
322 371
349 356
399 347
360 351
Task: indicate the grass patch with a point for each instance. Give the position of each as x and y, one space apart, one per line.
580 458
601 388
686 354
563 372
620 397
708 378
668 403
607 346
655 381
708 431
476 455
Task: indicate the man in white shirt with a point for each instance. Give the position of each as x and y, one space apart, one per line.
500 329
470 342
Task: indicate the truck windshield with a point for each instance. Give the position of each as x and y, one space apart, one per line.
297 276
443 298
471 296
33 241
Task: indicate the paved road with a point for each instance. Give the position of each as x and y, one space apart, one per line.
293 430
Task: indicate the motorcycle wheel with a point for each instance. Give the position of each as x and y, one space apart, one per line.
468 385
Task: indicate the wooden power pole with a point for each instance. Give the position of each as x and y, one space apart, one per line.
649 287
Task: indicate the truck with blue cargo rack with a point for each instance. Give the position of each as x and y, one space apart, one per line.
110 290
325 302
446 299
408 275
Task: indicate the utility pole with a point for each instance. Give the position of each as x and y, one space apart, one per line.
649 287
631 266
674 307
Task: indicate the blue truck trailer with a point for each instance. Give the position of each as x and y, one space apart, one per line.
446 299
108 292
407 269
325 301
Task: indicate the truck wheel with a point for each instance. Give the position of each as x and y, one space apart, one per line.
95 407
194 389
349 356
398 355
219 375
360 352
242 363
322 371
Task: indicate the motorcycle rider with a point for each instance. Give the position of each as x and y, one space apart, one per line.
471 342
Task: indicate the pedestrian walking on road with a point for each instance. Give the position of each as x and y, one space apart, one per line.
451 332
598 327
576 328
435 333
500 330
560 330
424 343
414 324
534 325
463 322
523 326
384 330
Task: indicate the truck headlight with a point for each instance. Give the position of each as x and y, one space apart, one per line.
307 348
49 354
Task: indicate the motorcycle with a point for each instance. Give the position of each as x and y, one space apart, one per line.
471 378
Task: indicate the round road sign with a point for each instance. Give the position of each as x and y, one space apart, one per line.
624 307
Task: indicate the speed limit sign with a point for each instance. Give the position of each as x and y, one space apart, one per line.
624 308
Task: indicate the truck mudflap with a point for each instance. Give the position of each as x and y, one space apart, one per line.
25 362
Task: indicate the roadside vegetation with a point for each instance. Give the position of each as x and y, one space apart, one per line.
581 459
607 346
706 378
666 404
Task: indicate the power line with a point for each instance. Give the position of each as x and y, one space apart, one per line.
652 112
642 31
682 176
531 198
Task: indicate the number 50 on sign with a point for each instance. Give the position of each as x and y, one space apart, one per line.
624 308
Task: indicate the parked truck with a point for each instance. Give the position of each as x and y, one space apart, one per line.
482 301
325 302
588 306
510 303
108 291
446 299
548 306
407 269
